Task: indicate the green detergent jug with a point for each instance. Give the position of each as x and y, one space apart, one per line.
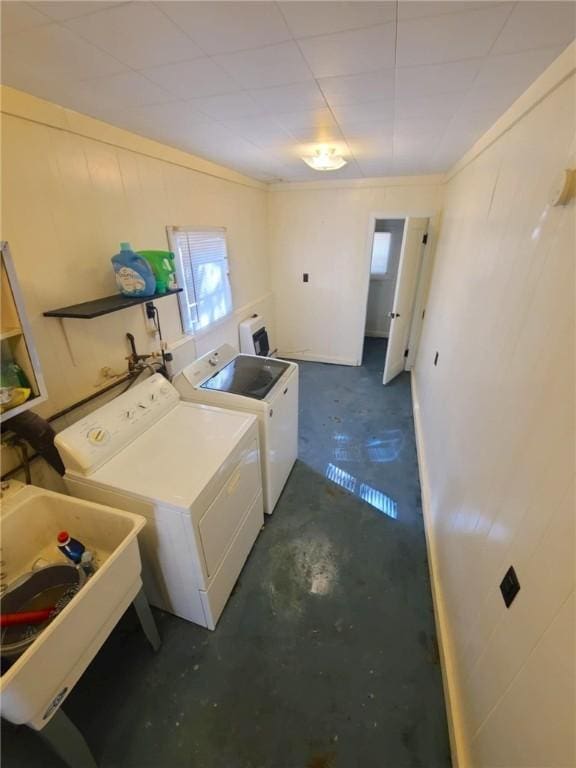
162 263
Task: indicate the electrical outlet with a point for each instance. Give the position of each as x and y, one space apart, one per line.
305 277
149 321
509 586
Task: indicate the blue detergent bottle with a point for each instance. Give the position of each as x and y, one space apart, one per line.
71 548
134 275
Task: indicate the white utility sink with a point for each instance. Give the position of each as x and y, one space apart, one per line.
33 688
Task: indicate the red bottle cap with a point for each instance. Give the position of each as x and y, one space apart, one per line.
63 537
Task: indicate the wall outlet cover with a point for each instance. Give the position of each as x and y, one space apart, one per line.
509 586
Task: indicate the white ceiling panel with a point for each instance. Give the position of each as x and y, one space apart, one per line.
469 124
138 34
115 92
418 126
61 92
289 98
426 107
229 106
307 19
418 10
189 79
55 52
227 27
418 162
19 16
265 67
436 78
317 125
351 89
492 100
380 110
398 88
261 131
70 9
378 167
370 138
345 53
373 149
514 70
158 120
537 25
215 142
450 37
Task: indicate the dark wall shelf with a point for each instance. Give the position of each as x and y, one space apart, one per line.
90 309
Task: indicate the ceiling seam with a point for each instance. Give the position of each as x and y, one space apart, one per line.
315 80
328 106
221 122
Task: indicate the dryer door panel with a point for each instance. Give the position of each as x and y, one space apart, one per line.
221 520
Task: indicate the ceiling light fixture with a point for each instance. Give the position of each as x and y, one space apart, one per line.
325 159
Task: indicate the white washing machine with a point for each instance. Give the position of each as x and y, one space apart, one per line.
264 386
192 471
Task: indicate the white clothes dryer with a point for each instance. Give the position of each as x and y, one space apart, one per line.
192 471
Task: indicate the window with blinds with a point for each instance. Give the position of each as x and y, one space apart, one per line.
202 267
380 255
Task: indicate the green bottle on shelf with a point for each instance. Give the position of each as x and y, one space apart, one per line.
15 388
162 263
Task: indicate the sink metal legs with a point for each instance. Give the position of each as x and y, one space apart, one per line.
61 734
147 622
66 740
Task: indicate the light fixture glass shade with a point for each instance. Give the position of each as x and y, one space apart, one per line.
325 159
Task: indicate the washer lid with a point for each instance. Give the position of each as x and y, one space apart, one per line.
175 458
247 375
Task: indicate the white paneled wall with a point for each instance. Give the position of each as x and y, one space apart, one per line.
73 188
326 230
496 422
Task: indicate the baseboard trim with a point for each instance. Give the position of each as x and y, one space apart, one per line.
458 744
310 357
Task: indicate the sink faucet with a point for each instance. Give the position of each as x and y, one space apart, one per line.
134 359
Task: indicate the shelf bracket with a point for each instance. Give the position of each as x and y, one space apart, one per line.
67 341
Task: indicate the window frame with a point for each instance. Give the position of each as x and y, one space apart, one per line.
387 275
189 326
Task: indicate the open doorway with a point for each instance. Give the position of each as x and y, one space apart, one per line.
396 293
386 247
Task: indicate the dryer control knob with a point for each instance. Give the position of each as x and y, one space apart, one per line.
98 436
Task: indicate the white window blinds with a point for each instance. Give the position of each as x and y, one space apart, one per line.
202 265
380 254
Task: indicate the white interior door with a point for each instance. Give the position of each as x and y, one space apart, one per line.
401 315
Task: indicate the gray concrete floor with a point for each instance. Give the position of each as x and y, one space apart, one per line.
325 656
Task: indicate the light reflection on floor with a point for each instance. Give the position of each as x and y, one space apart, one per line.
367 493
380 450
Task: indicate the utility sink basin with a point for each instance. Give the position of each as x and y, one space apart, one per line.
33 688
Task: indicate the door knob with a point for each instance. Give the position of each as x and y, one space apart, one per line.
392 315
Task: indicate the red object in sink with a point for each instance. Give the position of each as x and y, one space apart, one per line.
25 617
